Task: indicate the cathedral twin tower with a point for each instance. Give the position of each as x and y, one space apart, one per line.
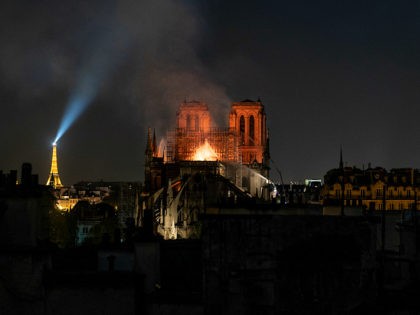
249 121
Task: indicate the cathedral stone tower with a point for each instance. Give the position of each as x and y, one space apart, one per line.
54 178
193 116
248 119
193 123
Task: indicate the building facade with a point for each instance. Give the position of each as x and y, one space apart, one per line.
372 189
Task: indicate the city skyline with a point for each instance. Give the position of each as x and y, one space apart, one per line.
329 75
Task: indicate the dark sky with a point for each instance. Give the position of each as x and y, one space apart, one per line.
329 73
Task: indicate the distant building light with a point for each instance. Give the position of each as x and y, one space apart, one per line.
313 182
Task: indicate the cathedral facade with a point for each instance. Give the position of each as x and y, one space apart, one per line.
202 167
243 143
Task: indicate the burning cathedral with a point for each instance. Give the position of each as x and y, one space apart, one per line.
204 169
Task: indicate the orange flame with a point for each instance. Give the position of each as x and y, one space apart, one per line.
205 153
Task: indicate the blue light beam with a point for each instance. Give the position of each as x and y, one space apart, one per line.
96 70
83 95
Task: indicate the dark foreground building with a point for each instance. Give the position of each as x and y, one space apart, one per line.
244 264
275 264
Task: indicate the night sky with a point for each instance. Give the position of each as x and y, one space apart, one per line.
330 74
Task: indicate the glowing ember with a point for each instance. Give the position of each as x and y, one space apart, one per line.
205 153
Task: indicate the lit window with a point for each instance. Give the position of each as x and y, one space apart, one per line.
251 129
242 129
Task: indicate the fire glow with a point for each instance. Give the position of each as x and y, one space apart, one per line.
205 153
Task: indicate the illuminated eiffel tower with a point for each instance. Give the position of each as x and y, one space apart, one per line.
54 178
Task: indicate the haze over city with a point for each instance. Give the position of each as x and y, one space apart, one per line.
329 74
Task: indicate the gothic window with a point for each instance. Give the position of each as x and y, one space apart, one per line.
242 129
188 122
251 130
197 123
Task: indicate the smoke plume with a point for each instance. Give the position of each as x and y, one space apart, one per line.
167 35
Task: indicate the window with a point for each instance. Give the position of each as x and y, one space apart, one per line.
188 122
379 192
251 129
363 193
197 123
242 129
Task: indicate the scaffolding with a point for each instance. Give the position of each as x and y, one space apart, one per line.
183 143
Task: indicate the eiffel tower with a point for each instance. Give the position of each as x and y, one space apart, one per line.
54 178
